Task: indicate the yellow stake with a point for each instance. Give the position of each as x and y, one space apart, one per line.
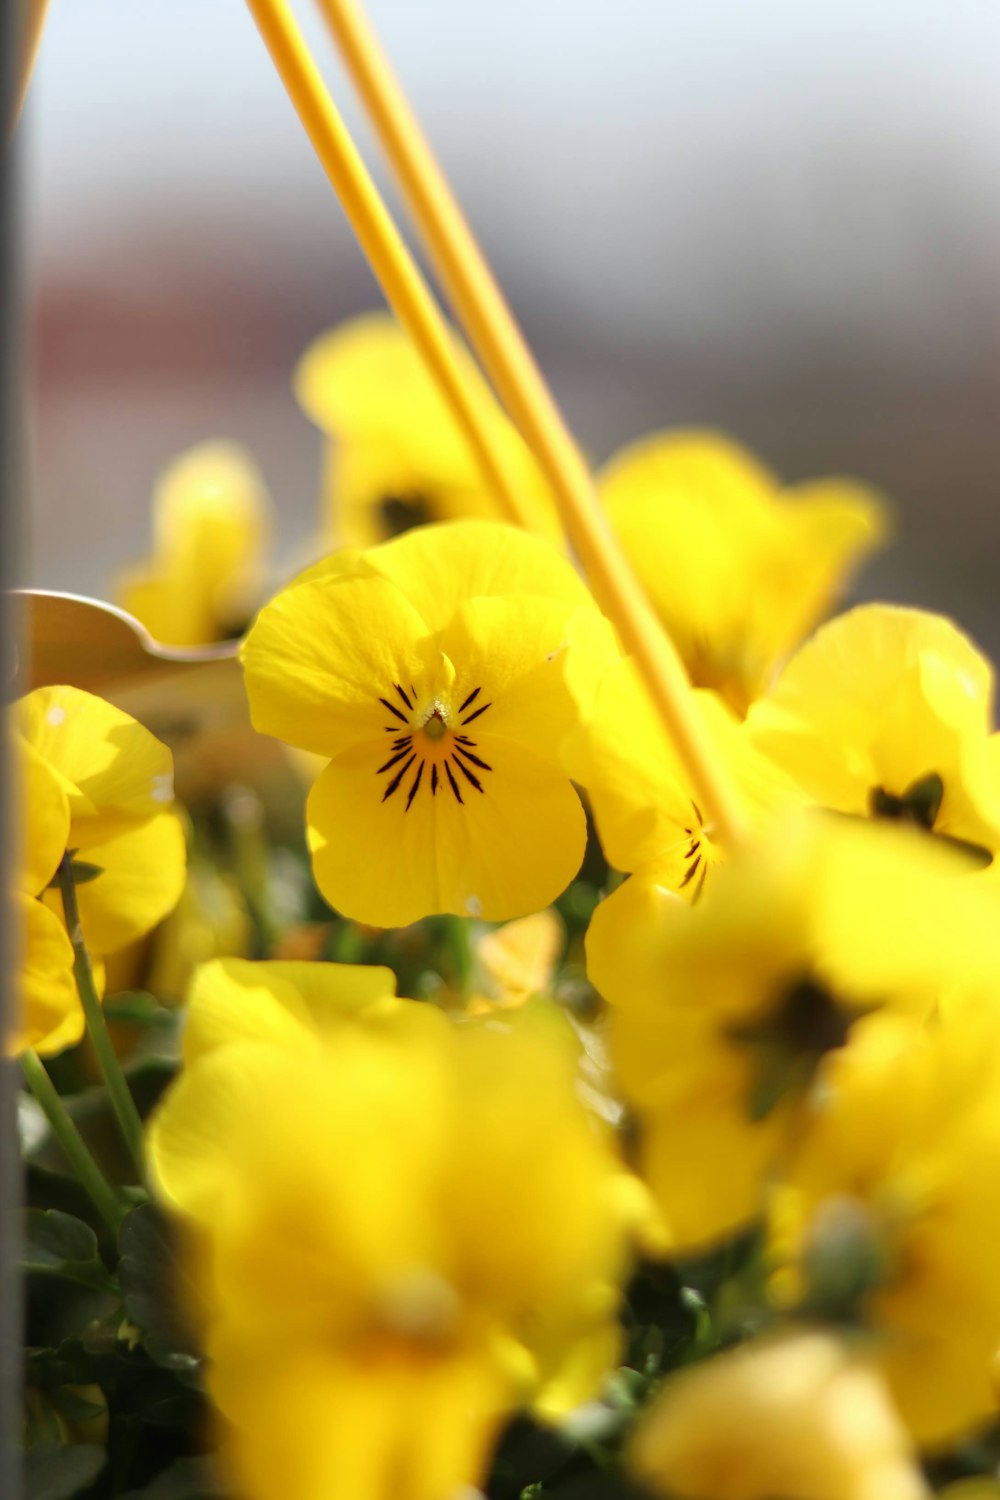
495 336
395 269
32 25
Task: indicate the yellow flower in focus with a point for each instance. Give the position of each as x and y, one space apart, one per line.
118 783
725 1012
738 569
396 456
430 673
801 1415
412 1227
211 526
895 1175
49 1013
887 713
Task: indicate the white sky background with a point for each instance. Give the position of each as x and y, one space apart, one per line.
710 194
638 140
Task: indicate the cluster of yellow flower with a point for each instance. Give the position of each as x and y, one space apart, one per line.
408 1220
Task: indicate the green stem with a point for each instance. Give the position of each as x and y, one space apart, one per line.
74 1148
121 1098
458 940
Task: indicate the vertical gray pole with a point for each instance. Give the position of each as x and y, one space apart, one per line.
11 489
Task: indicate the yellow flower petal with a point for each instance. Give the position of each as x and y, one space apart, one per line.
42 795
736 570
287 1003
141 880
116 770
499 853
211 524
880 699
51 1017
797 1415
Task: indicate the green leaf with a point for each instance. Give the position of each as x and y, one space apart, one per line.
185 1479
139 1009
74 1407
58 1471
57 1244
153 1282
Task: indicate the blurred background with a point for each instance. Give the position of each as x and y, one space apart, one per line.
774 217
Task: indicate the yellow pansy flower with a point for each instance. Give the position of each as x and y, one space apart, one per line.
430 673
738 569
801 1415
118 783
396 456
887 713
211 524
411 1227
723 1013
647 814
895 1175
49 1014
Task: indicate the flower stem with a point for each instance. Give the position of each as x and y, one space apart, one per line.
74 1148
118 1090
401 279
498 340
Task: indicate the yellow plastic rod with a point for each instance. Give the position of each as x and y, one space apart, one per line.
504 354
403 283
32 26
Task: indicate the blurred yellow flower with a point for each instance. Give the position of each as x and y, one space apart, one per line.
724 1012
412 1227
516 961
211 525
887 713
118 783
430 672
803 1415
896 1172
49 1015
738 569
396 457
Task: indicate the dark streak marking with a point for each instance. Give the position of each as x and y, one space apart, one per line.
476 714
394 710
483 764
415 787
398 756
434 780
690 874
394 783
470 699
469 776
454 783
403 695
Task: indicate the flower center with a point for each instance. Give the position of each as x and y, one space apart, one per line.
429 740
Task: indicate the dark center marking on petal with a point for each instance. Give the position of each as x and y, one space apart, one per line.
394 783
415 787
470 699
394 710
434 780
393 759
404 695
484 765
692 872
475 714
469 775
452 781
